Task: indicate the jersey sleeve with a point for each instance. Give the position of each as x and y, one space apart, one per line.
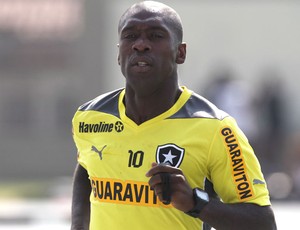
233 167
80 143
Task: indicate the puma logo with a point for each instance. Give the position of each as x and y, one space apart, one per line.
256 181
97 151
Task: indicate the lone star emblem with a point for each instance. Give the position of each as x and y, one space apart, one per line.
169 157
170 153
119 127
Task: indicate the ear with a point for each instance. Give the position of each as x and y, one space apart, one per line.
181 53
118 55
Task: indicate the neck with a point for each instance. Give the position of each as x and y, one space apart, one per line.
141 108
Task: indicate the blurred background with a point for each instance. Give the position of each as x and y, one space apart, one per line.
57 54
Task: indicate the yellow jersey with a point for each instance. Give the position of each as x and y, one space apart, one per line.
193 135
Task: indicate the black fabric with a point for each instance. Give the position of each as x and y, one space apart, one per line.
106 103
199 107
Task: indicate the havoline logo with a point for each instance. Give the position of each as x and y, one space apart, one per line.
101 127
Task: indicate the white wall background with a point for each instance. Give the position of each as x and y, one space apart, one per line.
249 36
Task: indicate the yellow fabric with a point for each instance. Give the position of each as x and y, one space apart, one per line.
117 153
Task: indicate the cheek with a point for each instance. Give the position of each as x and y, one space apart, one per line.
123 65
167 60
121 59
124 53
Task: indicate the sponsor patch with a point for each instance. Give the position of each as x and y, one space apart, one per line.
100 127
240 177
124 192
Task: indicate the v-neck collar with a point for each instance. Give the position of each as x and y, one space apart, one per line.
184 96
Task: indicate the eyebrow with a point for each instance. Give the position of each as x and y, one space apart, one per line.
149 28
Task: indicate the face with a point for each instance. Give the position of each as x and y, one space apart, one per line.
148 51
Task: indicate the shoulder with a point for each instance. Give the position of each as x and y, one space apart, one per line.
107 102
199 107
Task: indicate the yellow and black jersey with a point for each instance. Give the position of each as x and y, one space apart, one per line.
192 135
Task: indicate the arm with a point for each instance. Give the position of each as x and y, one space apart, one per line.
80 200
217 214
238 216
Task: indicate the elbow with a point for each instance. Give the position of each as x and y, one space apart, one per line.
268 221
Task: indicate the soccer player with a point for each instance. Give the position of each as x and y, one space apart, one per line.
154 154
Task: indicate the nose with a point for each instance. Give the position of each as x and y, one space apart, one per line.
141 45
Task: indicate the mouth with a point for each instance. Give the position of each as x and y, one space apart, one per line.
141 61
142 64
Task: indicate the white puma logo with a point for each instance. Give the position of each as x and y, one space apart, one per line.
97 151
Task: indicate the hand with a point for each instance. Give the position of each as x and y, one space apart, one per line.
181 192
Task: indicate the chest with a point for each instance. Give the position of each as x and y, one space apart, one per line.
116 149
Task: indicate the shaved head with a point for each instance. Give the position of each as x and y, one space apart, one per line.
168 14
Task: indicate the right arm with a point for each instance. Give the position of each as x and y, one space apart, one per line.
80 214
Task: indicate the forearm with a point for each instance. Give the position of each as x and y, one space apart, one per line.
80 215
238 216
219 215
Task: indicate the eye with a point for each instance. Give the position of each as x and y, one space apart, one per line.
157 35
129 36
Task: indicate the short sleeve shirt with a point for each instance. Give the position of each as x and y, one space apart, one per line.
193 135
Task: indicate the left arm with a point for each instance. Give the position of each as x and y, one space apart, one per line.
238 216
217 214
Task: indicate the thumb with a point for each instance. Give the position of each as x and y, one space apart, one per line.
154 164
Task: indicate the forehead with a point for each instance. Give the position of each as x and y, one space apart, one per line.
151 23
144 19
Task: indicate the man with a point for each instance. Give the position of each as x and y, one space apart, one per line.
146 152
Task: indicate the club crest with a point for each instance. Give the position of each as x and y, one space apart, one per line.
169 153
